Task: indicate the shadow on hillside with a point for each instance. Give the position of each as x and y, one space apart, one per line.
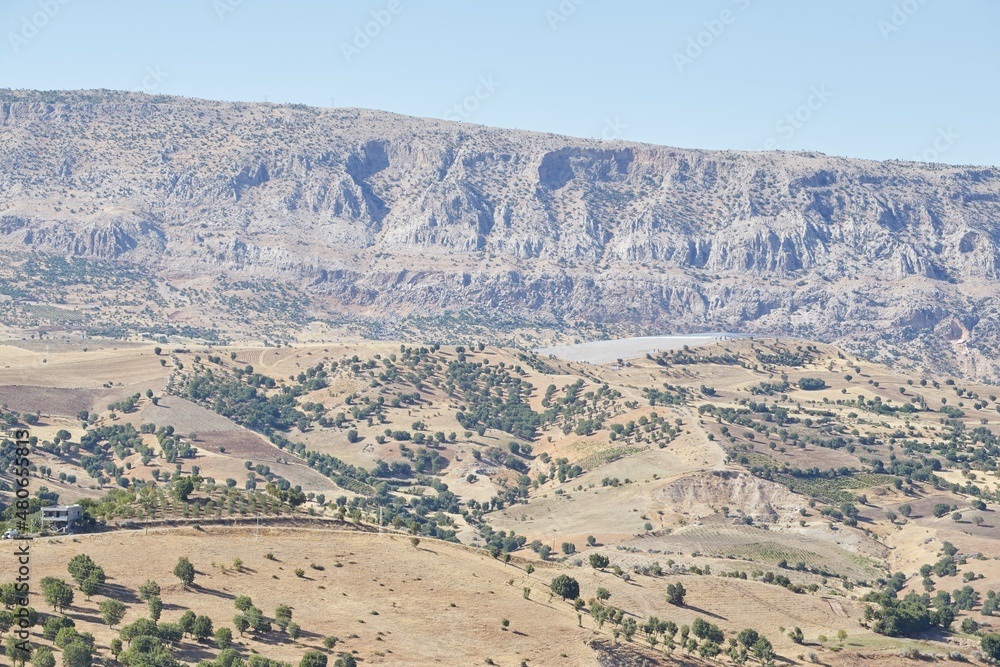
193 652
212 591
120 593
86 618
706 613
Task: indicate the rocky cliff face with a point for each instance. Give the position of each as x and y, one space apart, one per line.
386 215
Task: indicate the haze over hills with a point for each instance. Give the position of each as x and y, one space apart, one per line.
348 212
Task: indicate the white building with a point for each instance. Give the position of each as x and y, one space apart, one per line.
60 518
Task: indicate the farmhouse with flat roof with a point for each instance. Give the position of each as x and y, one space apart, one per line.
60 518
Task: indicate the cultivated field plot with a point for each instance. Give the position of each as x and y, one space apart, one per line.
94 368
810 456
71 344
838 489
186 417
768 547
49 400
241 446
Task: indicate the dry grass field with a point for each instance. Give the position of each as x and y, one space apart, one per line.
391 603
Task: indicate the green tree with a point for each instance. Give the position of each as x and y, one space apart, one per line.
183 487
112 611
313 659
92 584
138 628
629 627
812 384
18 650
43 657
202 628
283 616
258 623
599 561
223 638
184 571
763 650
187 622
82 567
565 587
345 660
228 657
748 637
243 602
66 636
989 643
149 589
676 593
78 654
241 623
709 649
57 593
155 607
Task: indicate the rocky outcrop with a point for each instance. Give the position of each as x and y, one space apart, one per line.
384 215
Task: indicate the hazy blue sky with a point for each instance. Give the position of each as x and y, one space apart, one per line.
907 79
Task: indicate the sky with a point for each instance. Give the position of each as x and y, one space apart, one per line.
878 79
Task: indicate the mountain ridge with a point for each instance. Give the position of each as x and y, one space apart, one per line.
380 215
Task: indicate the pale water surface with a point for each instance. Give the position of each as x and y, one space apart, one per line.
607 351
